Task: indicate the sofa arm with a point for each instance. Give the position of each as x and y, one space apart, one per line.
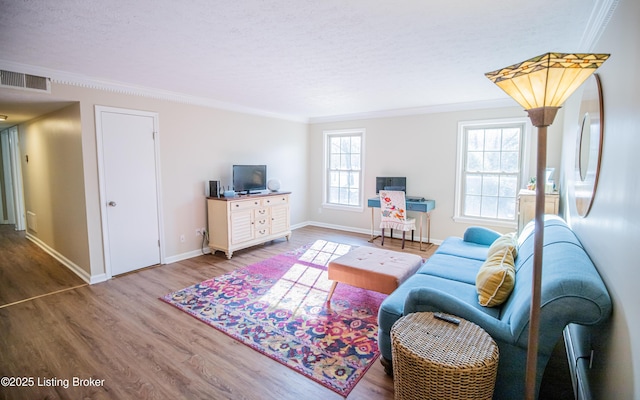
480 235
429 299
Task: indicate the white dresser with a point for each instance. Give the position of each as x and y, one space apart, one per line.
527 206
243 221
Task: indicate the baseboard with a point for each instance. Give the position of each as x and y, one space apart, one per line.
187 255
363 231
199 252
93 279
64 260
98 279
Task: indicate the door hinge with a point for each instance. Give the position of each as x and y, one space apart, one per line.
158 242
153 135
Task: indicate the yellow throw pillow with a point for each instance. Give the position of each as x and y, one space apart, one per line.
508 241
496 278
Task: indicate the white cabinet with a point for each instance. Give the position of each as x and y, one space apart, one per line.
239 222
527 206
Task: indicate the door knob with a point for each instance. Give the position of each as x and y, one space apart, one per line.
112 204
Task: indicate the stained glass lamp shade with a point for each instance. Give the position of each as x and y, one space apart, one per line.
546 80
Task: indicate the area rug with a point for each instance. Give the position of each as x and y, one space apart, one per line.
278 307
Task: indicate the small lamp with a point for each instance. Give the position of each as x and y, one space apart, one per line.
541 85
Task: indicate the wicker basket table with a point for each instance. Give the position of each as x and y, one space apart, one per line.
434 359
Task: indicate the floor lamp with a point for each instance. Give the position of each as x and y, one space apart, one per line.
541 85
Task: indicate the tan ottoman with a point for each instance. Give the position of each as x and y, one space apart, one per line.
373 269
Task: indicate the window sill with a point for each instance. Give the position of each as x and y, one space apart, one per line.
343 207
486 222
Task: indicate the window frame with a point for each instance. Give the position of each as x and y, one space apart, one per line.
462 150
327 134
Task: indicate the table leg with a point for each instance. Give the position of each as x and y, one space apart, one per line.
371 225
420 231
372 222
429 227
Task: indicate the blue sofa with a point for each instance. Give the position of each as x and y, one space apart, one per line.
572 292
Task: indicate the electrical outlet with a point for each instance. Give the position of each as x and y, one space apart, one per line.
182 238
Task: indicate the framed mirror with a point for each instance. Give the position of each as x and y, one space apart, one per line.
589 144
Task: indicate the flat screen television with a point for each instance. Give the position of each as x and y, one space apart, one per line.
391 183
249 178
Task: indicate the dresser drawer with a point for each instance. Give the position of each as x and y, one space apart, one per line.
244 204
261 223
271 201
262 232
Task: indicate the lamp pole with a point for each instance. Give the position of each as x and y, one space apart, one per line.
541 118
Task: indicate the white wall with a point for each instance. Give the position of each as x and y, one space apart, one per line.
197 144
53 184
420 147
611 230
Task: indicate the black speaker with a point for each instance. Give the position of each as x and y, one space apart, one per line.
214 188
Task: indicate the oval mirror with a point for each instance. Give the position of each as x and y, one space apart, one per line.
589 145
583 150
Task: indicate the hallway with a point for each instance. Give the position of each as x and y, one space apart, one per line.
27 271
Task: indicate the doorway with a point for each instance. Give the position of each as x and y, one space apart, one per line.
128 168
11 196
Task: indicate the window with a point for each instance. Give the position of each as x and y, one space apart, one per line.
490 170
344 168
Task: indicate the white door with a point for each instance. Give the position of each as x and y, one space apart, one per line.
129 188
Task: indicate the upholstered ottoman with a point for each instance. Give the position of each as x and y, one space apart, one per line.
372 269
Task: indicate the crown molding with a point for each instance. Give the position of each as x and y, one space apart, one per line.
598 21
72 79
434 109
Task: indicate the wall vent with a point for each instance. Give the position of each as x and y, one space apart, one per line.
18 80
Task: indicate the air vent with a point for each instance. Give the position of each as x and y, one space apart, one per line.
18 80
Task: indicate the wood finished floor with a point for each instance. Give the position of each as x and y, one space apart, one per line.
20 261
119 332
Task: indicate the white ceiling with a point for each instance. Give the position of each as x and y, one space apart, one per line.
299 59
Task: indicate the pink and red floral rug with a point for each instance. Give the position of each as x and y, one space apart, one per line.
278 307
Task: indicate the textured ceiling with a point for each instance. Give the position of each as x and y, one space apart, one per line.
303 59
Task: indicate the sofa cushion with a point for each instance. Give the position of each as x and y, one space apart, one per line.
496 278
452 267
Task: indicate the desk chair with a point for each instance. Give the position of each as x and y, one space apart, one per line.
393 207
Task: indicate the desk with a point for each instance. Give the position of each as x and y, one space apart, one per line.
423 207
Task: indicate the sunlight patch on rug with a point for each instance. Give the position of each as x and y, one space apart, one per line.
278 307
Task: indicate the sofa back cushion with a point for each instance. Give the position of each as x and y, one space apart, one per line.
570 282
556 231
